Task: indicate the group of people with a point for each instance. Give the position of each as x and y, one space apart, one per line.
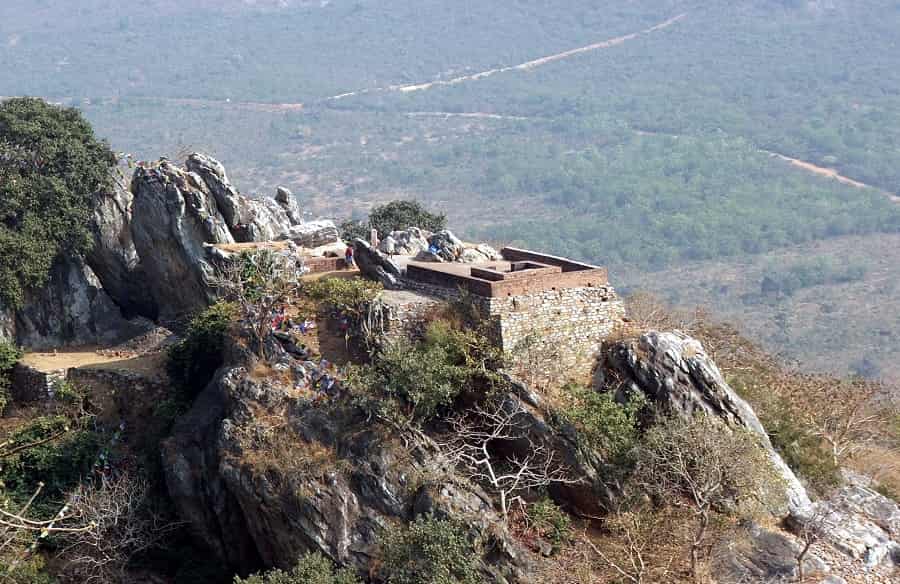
281 321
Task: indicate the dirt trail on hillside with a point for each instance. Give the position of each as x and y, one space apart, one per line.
830 173
527 66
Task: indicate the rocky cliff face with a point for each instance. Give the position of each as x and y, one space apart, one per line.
72 309
151 254
265 474
175 214
673 369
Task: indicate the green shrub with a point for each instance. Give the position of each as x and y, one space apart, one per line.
347 295
61 456
399 215
9 355
193 361
353 229
430 551
603 424
550 522
419 380
312 569
51 165
30 571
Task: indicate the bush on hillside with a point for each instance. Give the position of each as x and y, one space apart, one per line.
603 424
419 380
193 361
393 216
51 165
55 451
312 569
430 551
9 355
346 295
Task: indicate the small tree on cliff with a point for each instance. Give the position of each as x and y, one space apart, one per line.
51 165
706 466
258 282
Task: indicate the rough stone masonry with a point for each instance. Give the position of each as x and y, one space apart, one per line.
538 308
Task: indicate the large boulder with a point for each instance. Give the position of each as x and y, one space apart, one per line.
113 258
857 521
212 172
264 474
285 198
409 242
313 234
72 310
175 214
375 265
674 370
443 246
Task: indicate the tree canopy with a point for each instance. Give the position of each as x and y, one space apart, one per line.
51 165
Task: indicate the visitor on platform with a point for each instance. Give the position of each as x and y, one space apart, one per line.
348 256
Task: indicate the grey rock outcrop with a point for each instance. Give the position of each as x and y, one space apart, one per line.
213 175
323 479
72 309
375 265
285 198
673 369
478 254
443 246
175 214
858 521
113 257
411 242
313 234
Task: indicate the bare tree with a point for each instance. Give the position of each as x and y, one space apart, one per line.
120 525
852 419
809 530
259 282
635 533
704 465
475 434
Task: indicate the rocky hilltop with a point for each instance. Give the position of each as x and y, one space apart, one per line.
151 255
279 455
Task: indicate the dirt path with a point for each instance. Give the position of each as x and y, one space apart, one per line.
472 115
527 66
830 173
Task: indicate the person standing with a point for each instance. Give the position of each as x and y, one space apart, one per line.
348 256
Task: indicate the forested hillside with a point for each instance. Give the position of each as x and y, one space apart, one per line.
638 134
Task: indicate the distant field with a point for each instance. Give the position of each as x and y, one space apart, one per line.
846 324
641 147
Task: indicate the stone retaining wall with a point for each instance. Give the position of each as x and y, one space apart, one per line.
29 385
563 330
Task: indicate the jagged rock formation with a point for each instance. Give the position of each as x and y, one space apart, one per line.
174 215
285 198
72 309
114 258
858 542
673 369
151 256
375 265
321 479
408 242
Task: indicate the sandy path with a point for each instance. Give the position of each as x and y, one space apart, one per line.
527 66
830 173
